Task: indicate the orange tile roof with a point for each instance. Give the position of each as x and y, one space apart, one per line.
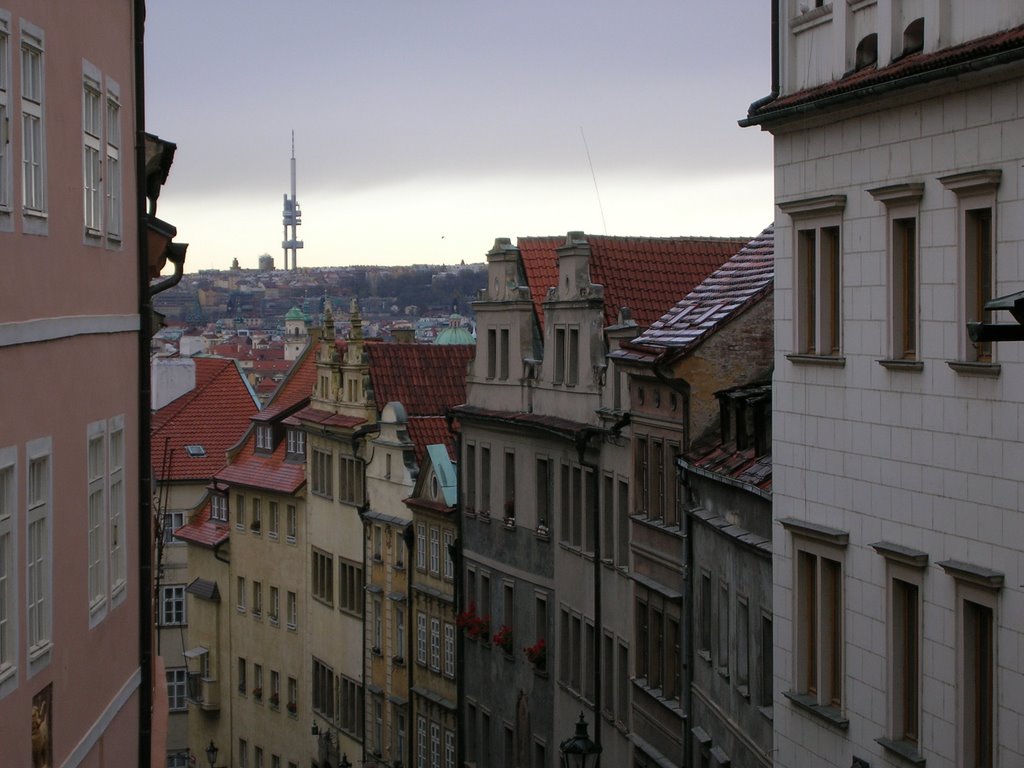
214 415
426 379
430 430
645 274
202 530
297 385
742 281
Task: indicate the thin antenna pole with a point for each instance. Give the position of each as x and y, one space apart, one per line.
597 191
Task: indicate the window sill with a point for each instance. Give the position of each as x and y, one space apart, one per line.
903 749
829 361
830 715
744 691
902 365
768 712
974 368
723 672
704 654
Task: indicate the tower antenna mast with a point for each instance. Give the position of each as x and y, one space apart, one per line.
292 217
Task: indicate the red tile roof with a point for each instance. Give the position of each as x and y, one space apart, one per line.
742 281
645 274
327 418
214 415
998 48
742 466
260 470
297 385
430 430
202 530
426 379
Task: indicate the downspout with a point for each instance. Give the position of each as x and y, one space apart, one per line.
145 543
176 255
776 85
457 587
581 439
361 511
409 537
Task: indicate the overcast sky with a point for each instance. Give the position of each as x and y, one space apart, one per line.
424 129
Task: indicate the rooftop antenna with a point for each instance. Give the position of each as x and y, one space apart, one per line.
597 192
292 217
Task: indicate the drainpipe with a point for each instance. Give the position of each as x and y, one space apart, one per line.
145 521
176 255
361 511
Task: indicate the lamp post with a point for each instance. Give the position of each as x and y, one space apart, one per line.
579 751
211 753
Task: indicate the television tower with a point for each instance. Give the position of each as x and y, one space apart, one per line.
292 217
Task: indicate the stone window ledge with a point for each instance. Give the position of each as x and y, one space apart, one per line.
904 749
830 361
809 704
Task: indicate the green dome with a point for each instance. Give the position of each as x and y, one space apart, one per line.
295 314
458 335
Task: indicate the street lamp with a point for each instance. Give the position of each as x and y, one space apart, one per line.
211 753
579 751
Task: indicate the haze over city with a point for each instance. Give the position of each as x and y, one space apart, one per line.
424 131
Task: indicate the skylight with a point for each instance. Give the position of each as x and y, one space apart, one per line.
195 451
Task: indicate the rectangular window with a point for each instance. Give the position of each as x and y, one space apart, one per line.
608 675
767 688
742 644
243 753
449 748
351 703
449 649
544 488
378 626
323 576
321 473
819 628
115 484
564 646
704 628
241 674
273 520
722 662
177 689
264 437
293 523
590 501
399 641
979 274
640 473
572 363
435 551
275 605
576 646
608 519
589 652
421 546
565 500
292 608
642 639
656 654
97 515
470 478
622 700
819 285
8 503
293 694
257 599
256 525
622 541
92 130
350 587
33 132
112 179
503 353
510 485
559 372
421 638
576 534
673 658
275 688
447 541
435 645
172 605
323 689
905 628
5 96
978 697
239 511
38 557
350 480
296 445
485 480
219 508
492 352
904 288
241 594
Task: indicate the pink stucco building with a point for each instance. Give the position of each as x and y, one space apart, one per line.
74 665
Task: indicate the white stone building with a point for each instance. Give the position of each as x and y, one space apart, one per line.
899 134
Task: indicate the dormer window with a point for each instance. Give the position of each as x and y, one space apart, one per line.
264 437
296 443
219 508
567 351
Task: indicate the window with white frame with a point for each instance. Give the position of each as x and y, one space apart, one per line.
296 447
219 507
421 638
172 605
449 649
350 480
448 540
350 586
177 689
449 748
256 524
435 551
118 567
421 546
257 599
8 590
173 519
239 511
275 605
421 742
96 463
399 647
435 745
378 626
818 554
39 553
5 95
112 179
264 437
818 274
323 576
435 644
240 593
273 520
567 355
33 130
92 136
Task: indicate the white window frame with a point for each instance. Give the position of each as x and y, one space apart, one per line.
114 186
435 644
275 605
118 521
273 520
177 689
5 116
291 604
264 437
93 113
291 523
435 551
219 507
97 519
33 112
240 590
8 572
39 557
447 540
449 650
421 638
172 595
421 546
